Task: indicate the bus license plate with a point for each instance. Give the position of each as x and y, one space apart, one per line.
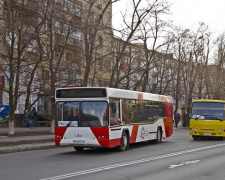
78 141
207 134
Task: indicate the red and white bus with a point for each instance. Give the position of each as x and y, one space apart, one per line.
107 117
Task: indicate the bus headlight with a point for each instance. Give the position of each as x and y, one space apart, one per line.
102 137
220 130
58 136
194 129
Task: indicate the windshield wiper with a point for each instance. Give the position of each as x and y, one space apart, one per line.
68 125
201 116
208 115
216 118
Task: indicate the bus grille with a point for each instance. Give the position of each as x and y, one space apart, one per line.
208 129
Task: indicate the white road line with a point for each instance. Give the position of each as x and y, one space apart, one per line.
104 168
184 163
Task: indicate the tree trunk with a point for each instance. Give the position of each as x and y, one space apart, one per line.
11 128
53 110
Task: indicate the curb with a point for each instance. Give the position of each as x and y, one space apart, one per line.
22 142
18 134
25 147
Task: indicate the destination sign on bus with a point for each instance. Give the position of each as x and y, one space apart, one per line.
80 93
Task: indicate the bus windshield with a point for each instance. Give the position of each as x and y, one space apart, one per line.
83 114
208 110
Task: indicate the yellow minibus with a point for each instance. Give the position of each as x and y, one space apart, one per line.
207 119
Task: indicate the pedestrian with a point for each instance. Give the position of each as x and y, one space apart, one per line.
178 117
175 119
26 118
33 117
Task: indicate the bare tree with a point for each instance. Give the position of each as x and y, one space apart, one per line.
19 53
192 50
60 32
161 73
179 44
132 26
96 32
217 71
151 29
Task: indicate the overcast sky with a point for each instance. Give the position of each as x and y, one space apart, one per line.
187 13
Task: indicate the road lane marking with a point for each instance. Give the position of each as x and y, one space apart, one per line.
184 163
104 168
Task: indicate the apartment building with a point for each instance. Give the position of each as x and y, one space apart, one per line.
52 43
47 44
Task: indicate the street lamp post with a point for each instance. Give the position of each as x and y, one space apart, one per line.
186 113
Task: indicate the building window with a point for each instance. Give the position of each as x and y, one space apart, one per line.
77 9
46 25
106 83
99 4
45 50
45 75
65 29
11 39
126 60
7 17
100 41
76 34
70 6
57 26
31 46
68 57
99 63
58 3
89 84
140 64
100 83
70 76
108 64
45 2
65 5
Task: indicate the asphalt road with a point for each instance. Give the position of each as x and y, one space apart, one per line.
176 158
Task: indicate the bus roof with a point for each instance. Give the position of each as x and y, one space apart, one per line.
209 100
125 94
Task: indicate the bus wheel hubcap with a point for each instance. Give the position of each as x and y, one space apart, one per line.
124 140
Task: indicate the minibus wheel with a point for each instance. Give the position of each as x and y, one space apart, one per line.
195 137
78 148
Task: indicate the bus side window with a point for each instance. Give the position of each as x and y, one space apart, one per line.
114 111
113 106
127 111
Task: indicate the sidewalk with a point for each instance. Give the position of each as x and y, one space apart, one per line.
25 139
180 125
24 131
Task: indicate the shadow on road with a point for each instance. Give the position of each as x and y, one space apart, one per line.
109 151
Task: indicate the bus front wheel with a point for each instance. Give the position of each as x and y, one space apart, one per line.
79 148
195 137
158 136
124 142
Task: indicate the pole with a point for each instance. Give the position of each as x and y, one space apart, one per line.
186 113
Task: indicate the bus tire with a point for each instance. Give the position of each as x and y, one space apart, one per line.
195 137
79 149
124 142
158 136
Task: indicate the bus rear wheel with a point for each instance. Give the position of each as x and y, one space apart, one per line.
158 136
79 149
124 142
